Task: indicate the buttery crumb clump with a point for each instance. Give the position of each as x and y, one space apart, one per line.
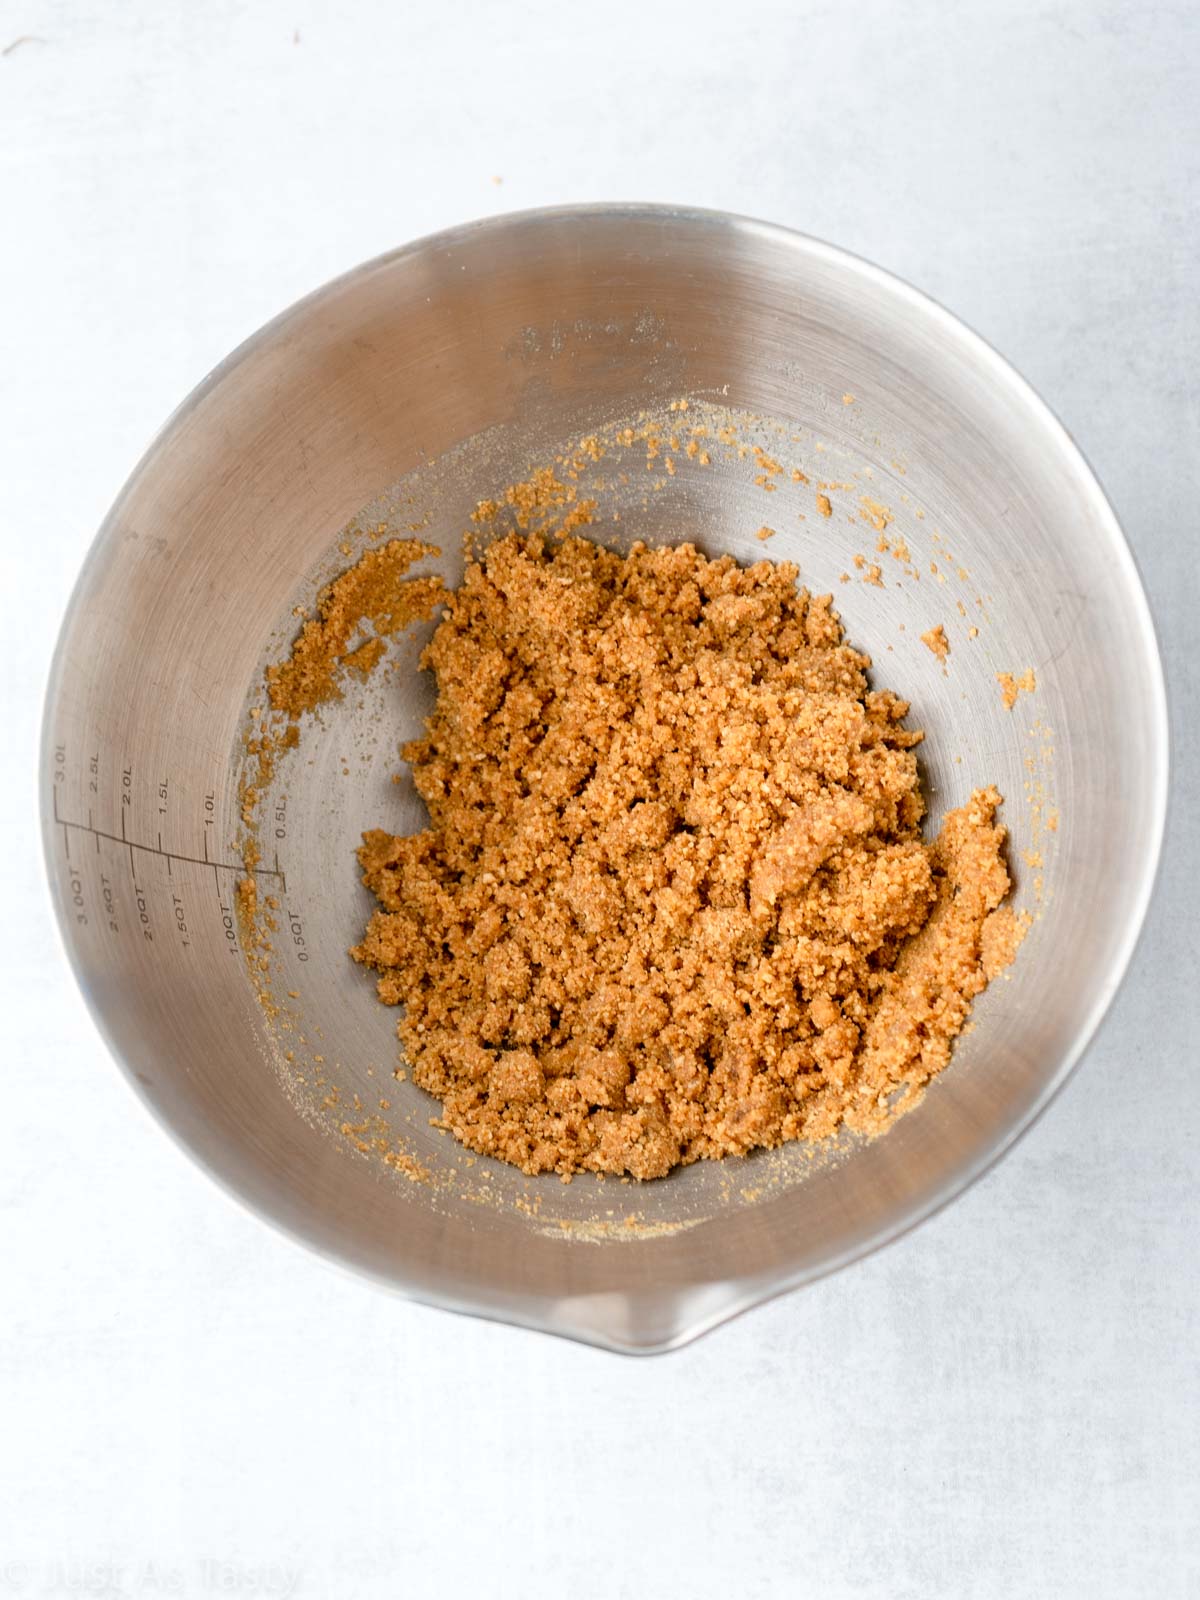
673 901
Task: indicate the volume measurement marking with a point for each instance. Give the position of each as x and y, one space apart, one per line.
168 856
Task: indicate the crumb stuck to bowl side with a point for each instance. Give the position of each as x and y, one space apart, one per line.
935 639
674 902
374 590
1012 686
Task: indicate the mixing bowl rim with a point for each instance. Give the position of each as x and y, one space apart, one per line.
1000 371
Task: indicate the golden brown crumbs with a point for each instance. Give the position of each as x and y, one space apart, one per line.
824 505
1000 939
878 516
874 575
1011 687
544 501
937 641
673 901
408 1166
765 533
372 591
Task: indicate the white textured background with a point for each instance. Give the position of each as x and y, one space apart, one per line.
1006 1403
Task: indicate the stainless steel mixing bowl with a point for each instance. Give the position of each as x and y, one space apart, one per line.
412 387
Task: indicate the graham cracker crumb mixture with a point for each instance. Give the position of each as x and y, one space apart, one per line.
673 901
374 590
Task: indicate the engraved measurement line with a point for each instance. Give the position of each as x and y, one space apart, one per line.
157 850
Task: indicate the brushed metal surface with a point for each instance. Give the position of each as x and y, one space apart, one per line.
481 351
